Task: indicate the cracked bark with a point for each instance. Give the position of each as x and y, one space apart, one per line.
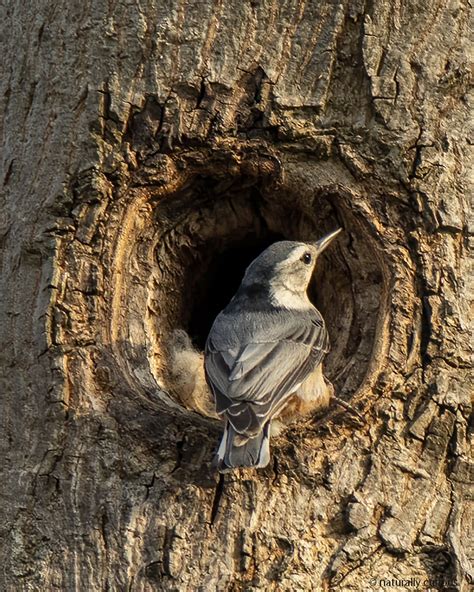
148 149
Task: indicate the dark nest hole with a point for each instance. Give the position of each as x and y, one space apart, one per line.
210 239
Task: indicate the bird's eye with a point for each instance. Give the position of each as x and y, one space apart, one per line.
307 258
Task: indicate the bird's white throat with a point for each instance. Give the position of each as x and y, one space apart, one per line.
285 298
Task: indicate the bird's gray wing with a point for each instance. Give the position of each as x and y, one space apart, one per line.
252 373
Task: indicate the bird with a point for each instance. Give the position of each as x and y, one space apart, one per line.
264 352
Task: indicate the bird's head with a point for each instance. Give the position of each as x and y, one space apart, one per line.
286 268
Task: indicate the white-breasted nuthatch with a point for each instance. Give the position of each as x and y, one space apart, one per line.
264 352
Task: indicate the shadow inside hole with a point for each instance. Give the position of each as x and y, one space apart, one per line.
331 292
220 281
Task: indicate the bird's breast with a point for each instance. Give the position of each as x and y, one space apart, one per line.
313 394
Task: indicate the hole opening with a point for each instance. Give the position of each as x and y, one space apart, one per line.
213 238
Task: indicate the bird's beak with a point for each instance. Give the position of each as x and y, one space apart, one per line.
322 243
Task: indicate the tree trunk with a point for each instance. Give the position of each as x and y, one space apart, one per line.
150 151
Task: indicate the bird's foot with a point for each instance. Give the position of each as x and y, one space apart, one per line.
350 408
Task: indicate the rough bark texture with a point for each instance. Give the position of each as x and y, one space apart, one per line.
149 150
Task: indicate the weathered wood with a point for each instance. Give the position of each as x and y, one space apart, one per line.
149 151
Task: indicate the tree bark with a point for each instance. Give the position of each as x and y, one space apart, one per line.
149 151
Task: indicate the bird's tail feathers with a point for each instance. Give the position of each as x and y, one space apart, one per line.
238 451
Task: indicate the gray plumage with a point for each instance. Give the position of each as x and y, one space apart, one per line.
262 347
